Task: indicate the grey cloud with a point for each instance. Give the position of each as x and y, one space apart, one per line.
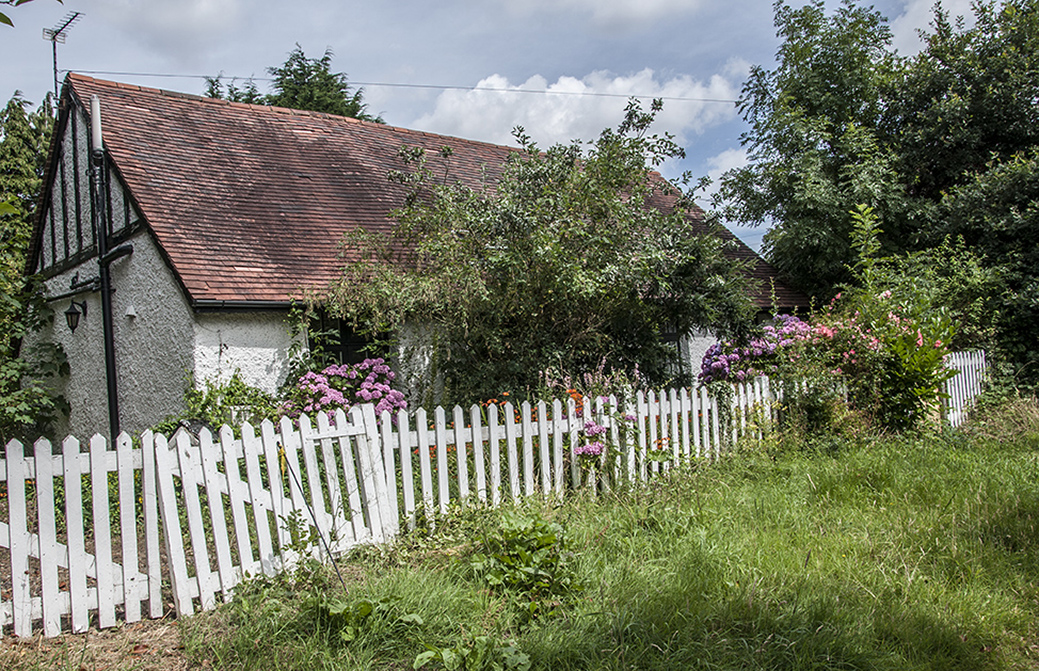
177 28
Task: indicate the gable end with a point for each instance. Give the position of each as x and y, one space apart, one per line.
64 236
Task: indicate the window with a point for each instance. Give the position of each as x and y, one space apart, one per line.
334 339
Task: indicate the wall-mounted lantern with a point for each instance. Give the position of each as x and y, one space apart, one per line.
72 314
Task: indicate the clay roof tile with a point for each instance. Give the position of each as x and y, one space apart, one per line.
250 202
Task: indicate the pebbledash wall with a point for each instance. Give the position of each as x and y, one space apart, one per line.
161 344
255 343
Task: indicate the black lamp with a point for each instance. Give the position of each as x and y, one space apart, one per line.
72 314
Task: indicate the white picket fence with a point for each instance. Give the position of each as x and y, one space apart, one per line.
232 507
965 386
59 534
331 479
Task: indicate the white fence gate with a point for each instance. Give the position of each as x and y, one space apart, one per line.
271 486
82 533
965 386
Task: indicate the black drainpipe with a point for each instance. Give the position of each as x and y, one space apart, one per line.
105 257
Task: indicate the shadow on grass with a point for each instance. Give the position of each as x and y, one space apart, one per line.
761 627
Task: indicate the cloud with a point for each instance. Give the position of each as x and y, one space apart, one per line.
719 164
572 108
175 27
612 13
917 16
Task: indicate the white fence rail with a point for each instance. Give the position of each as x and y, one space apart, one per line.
81 542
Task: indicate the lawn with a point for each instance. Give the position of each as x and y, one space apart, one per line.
890 552
914 552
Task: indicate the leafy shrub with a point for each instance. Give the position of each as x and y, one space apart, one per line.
526 559
216 403
563 255
882 345
29 407
476 653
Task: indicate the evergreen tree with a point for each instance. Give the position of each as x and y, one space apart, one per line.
301 83
24 139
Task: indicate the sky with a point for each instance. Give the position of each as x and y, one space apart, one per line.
562 69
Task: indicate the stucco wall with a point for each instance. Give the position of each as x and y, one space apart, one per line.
255 343
152 324
693 346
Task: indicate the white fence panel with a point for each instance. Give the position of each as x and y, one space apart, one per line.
965 386
296 483
63 567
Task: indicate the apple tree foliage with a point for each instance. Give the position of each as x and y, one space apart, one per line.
560 263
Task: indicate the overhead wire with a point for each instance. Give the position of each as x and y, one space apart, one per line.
434 87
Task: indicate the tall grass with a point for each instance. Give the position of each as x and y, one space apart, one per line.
918 552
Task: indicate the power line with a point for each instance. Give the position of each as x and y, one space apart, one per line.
434 87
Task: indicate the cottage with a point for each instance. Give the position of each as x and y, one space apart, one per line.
216 216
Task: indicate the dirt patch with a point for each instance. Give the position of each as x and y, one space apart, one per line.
149 645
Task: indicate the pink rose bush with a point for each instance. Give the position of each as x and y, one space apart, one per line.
885 357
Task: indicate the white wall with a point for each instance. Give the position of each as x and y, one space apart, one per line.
256 343
161 344
692 348
152 325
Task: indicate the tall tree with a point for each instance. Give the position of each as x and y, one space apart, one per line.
27 404
813 145
302 83
968 99
560 263
24 139
940 144
249 93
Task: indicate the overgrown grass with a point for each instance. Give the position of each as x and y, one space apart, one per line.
914 552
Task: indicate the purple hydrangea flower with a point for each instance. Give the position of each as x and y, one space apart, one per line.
594 449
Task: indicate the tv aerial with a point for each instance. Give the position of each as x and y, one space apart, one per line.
56 35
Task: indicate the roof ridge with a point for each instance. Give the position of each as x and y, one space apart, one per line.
193 97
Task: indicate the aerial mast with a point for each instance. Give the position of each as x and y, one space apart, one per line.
56 35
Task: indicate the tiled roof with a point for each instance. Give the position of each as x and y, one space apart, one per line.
250 203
